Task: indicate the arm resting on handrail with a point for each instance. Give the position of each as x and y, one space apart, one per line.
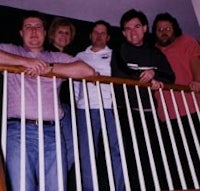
96 77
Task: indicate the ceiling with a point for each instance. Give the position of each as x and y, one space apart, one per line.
111 10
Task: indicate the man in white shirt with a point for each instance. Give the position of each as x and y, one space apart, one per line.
98 55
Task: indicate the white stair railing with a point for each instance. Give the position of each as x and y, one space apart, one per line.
171 182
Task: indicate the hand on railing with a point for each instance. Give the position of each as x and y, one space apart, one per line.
34 72
104 79
146 76
156 85
36 64
35 67
195 86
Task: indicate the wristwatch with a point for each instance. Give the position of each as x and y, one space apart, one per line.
51 66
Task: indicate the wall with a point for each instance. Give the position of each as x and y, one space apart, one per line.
111 10
10 17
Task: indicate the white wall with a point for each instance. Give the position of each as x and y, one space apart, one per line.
196 5
111 10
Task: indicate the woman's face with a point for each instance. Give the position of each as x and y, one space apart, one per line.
62 37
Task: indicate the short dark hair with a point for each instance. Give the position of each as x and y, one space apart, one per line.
131 14
171 19
34 14
102 22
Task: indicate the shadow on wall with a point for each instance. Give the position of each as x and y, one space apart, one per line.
9 18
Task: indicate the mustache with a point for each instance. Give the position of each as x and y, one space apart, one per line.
164 35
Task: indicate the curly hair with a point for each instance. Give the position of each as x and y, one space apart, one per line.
171 19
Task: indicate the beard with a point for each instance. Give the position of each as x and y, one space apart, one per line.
165 40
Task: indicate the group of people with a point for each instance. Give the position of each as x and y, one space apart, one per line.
174 58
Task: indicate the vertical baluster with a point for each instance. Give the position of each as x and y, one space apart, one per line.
4 115
180 125
195 138
147 140
196 105
40 137
58 138
134 140
23 139
75 138
90 139
174 147
4 129
105 140
162 149
120 141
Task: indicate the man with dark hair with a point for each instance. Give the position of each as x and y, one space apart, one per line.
165 39
36 61
183 54
139 60
127 16
98 55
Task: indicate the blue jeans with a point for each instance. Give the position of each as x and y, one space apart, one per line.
67 132
84 149
32 158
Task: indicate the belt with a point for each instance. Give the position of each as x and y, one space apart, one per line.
32 121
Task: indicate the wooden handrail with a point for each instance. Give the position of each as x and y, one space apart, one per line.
131 82
103 79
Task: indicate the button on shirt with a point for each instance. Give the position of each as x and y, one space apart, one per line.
100 61
31 95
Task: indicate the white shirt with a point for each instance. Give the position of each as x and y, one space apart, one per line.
100 61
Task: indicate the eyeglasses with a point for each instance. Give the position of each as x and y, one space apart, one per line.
162 29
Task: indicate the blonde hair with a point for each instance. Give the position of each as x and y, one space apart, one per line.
57 22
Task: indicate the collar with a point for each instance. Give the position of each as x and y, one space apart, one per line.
105 49
28 50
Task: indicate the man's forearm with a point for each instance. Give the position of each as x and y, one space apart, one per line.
74 70
10 59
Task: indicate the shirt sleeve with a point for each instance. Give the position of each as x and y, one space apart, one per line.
10 48
63 57
164 71
119 67
192 46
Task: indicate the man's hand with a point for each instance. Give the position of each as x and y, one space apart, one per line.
35 67
195 86
147 76
156 85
